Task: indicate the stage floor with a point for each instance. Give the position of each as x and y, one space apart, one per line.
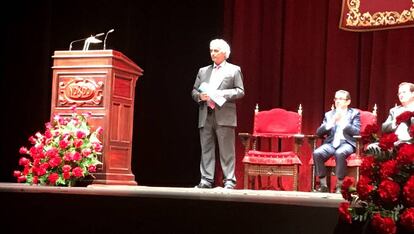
216 194
144 209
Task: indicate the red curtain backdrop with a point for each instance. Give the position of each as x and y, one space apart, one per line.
293 52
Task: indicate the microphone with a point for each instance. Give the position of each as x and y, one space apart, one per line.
106 36
71 43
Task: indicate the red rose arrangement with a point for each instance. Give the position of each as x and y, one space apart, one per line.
384 194
65 153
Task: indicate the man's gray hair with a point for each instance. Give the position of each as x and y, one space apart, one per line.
347 94
223 45
411 85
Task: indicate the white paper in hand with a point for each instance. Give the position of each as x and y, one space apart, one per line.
212 93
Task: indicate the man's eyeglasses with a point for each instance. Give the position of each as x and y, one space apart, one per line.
340 99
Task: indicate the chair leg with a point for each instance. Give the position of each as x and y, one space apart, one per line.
246 177
328 178
313 179
280 183
259 182
295 178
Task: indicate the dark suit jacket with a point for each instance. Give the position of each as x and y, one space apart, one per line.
351 129
232 88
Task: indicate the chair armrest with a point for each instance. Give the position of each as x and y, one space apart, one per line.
312 140
299 139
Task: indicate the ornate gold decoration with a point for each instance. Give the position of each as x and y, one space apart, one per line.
356 18
80 91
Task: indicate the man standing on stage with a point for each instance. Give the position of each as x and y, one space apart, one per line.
216 89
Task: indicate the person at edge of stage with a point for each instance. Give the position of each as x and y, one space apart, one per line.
216 89
406 97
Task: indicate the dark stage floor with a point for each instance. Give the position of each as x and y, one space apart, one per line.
142 209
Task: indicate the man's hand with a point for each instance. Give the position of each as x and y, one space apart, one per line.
204 97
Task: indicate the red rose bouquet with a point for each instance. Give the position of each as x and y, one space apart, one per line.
384 194
65 153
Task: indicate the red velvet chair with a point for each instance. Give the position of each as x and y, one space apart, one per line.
274 130
368 120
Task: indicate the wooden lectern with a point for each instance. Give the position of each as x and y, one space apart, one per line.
101 82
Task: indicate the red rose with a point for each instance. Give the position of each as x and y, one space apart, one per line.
405 154
404 117
388 169
97 146
407 219
54 162
383 225
53 177
77 172
26 170
344 212
39 171
23 150
17 173
389 191
32 140
66 168
48 134
86 152
48 125
23 161
76 156
77 143
367 165
408 191
99 130
63 144
80 134
21 179
35 180
92 168
53 152
386 141
411 130
66 175
345 188
68 156
371 129
364 188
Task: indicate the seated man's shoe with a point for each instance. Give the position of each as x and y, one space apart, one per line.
229 186
322 189
203 185
338 189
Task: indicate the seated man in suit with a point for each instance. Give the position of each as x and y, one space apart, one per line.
339 126
406 97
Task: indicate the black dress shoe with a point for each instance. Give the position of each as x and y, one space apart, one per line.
322 189
203 185
229 186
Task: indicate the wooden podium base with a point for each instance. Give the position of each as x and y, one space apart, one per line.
102 83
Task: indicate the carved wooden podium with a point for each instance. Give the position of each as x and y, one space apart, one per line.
101 82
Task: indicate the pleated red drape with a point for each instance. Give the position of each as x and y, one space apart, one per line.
293 52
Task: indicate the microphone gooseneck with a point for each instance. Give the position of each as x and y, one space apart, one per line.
106 36
71 43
